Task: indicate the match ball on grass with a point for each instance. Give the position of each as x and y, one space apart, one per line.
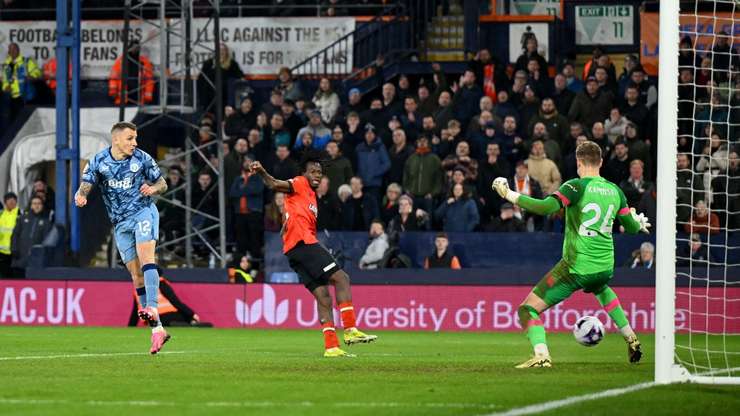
588 331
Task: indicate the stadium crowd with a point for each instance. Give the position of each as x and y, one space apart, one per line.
421 152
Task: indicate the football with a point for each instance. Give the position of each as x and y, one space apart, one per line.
589 331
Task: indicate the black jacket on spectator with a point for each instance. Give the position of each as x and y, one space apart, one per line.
466 103
563 100
588 110
339 171
30 229
616 170
357 214
512 225
725 205
344 110
398 162
486 174
239 124
284 169
329 213
523 60
412 223
633 191
637 114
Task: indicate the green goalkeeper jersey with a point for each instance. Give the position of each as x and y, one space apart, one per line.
591 204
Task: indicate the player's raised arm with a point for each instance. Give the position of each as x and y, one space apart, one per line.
548 205
270 182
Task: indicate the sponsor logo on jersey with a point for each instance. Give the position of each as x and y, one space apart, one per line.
572 188
134 167
122 184
313 209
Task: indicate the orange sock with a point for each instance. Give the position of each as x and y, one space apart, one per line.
330 335
348 315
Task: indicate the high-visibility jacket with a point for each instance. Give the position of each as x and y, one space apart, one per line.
16 74
146 81
50 73
8 219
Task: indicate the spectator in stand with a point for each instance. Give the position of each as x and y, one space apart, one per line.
338 169
462 158
240 122
205 199
353 135
441 258
537 78
689 188
30 229
561 95
617 168
389 205
422 175
702 221
375 115
289 87
686 56
686 101
531 51
542 169
552 148
426 102
8 219
247 202
376 249
507 222
530 105
392 106
490 74
292 122
644 257
504 107
647 91
555 123
725 58
632 107
275 105
354 105
635 185
230 71
486 107
304 144
277 134
458 213
329 215
406 218
638 148
607 85
590 105
404 88
139 86
512 145
398 155
466 98
694 253
713 159
573 84
172 215
321 134
569 163
725 191
18 75
260 149
598 136
490 168
372 163
326 101
411 120
275 212
444 112
41 188
591 64
615 125
359 209
480 140
630 62
283 166
517 87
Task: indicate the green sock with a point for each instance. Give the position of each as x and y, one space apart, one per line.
609 301
530 320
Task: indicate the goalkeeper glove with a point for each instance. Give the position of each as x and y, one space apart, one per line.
501 185
642 220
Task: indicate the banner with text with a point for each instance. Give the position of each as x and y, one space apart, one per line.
259 45
418 308
605 25
701 28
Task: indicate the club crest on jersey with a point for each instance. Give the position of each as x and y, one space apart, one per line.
313 209
134 167
122 184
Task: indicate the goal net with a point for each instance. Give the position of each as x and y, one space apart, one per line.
698 255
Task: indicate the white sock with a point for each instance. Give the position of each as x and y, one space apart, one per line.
157 328
626 331
541 349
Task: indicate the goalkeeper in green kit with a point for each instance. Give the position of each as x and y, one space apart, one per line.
591 203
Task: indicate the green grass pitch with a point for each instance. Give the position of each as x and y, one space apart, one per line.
94 371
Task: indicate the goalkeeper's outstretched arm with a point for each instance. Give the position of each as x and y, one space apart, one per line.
633 222
548 205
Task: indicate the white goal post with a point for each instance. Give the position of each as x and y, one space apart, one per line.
704 350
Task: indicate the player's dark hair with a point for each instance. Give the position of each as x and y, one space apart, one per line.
589 153
312 156
122 125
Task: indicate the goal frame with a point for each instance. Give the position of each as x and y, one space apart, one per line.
666 368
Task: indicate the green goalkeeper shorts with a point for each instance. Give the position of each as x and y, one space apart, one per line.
559 283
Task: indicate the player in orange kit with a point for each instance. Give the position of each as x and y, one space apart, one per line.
311 261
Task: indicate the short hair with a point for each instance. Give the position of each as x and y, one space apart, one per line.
406 198
10 195
441 235
343 188
311 156
637 162
647 246
122 125
394 187
377 221
589 153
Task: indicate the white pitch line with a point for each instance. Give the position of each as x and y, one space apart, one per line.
556 404
243 404
83 355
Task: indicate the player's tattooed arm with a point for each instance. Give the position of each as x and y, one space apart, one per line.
82 193
270 182
158 188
